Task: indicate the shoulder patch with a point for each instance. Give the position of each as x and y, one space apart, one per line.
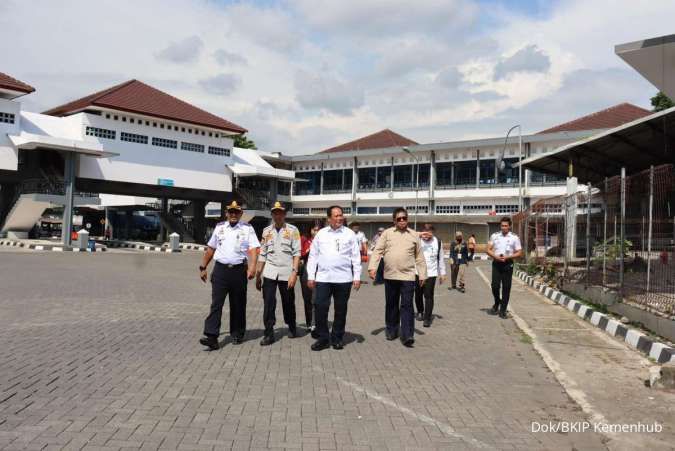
221 223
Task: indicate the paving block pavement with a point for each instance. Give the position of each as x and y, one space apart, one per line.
100 352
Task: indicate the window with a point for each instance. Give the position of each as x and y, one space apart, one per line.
192 147
346 210
311 186
424 175
477 209
318 211
337 181
420 209
132 120
161 142
7 118
124 118
154 124
503 209
116 117
387 210
487 172
447 209
219 151
465 173
147 123
283 188
210 134
133 138
443 174
403 177
107 116
366 210
367 179
301 211
101 132
384 177
161 125
510 173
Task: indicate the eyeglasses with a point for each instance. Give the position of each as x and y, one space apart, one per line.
401 218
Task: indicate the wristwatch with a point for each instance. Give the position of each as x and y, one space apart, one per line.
294 270
202 268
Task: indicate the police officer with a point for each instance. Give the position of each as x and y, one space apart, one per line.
234 246
278 270
503 247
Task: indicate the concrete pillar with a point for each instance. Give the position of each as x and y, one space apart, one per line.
432 183
82 240
571 219
355 184
8 192
174 241
199 220
128 223
164 209
70 161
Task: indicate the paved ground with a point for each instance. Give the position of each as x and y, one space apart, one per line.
100 351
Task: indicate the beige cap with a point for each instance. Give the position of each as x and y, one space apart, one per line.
458 233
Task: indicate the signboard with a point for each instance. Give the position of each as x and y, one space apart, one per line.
165 182
77 220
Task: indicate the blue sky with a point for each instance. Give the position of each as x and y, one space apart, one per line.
303 75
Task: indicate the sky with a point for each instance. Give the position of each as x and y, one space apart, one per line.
305 75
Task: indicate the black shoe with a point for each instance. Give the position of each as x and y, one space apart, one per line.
210 342
495 309
315 334
267 340
419 316
502 315
320 345
427 323
237 340
452 288
391 336
338 345
408 342
461 289
292 332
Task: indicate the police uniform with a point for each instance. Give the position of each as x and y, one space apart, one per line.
231 244
278 249
502 273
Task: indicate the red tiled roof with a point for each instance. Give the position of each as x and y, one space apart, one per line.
609 118
7 82
380 140
134 96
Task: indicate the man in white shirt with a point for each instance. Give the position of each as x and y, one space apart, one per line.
503 247
333 268
360 237
432 248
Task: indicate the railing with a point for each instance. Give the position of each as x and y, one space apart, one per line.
255 199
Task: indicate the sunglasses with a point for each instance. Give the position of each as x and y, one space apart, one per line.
401 218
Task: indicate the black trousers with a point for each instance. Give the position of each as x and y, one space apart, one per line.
502 273
399 307
269 289
227 281
307 296
424 297
340 293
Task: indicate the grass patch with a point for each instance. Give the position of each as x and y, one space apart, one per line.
524 338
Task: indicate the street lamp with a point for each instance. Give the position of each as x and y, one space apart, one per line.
501 166
417 182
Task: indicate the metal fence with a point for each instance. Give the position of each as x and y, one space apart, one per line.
619 235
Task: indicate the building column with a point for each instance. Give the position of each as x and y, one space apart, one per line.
321 182
391 187
274 190
70 160
164 208
8 192
199 220
477 168
128 223
432 183
355 183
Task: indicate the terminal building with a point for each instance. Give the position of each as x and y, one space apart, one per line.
132 150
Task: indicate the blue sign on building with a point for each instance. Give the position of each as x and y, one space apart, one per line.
165 182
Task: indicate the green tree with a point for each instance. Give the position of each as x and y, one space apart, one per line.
661 102
243 142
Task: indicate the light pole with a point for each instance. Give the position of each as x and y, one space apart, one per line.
501 165
417 182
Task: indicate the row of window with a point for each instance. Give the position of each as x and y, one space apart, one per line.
7 118
422 209
158 142
177 128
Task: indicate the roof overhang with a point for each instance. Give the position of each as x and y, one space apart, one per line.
635 146
654 59
245 170
30 141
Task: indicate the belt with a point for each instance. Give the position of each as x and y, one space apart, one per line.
230 265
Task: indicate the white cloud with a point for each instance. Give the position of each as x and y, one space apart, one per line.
184 51
225 58
527 59
325 93
222 84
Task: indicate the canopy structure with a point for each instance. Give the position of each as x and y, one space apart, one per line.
654 59
30 141
247 163
635 146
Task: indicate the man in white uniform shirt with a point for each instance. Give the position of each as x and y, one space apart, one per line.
432 248
503 247
333 268
233 245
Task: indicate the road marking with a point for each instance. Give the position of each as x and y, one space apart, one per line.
569 384
444 428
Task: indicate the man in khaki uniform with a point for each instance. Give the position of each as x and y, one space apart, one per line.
278 270
403 257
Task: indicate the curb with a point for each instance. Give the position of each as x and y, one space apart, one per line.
635 339
48 247
193 247
141 247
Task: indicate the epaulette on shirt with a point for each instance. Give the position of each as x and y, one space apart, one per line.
221 223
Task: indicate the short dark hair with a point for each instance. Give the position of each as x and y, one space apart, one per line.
427 226
398 210
354 224
505 219
329 211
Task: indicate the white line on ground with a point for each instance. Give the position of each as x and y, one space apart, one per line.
445 428
569 384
